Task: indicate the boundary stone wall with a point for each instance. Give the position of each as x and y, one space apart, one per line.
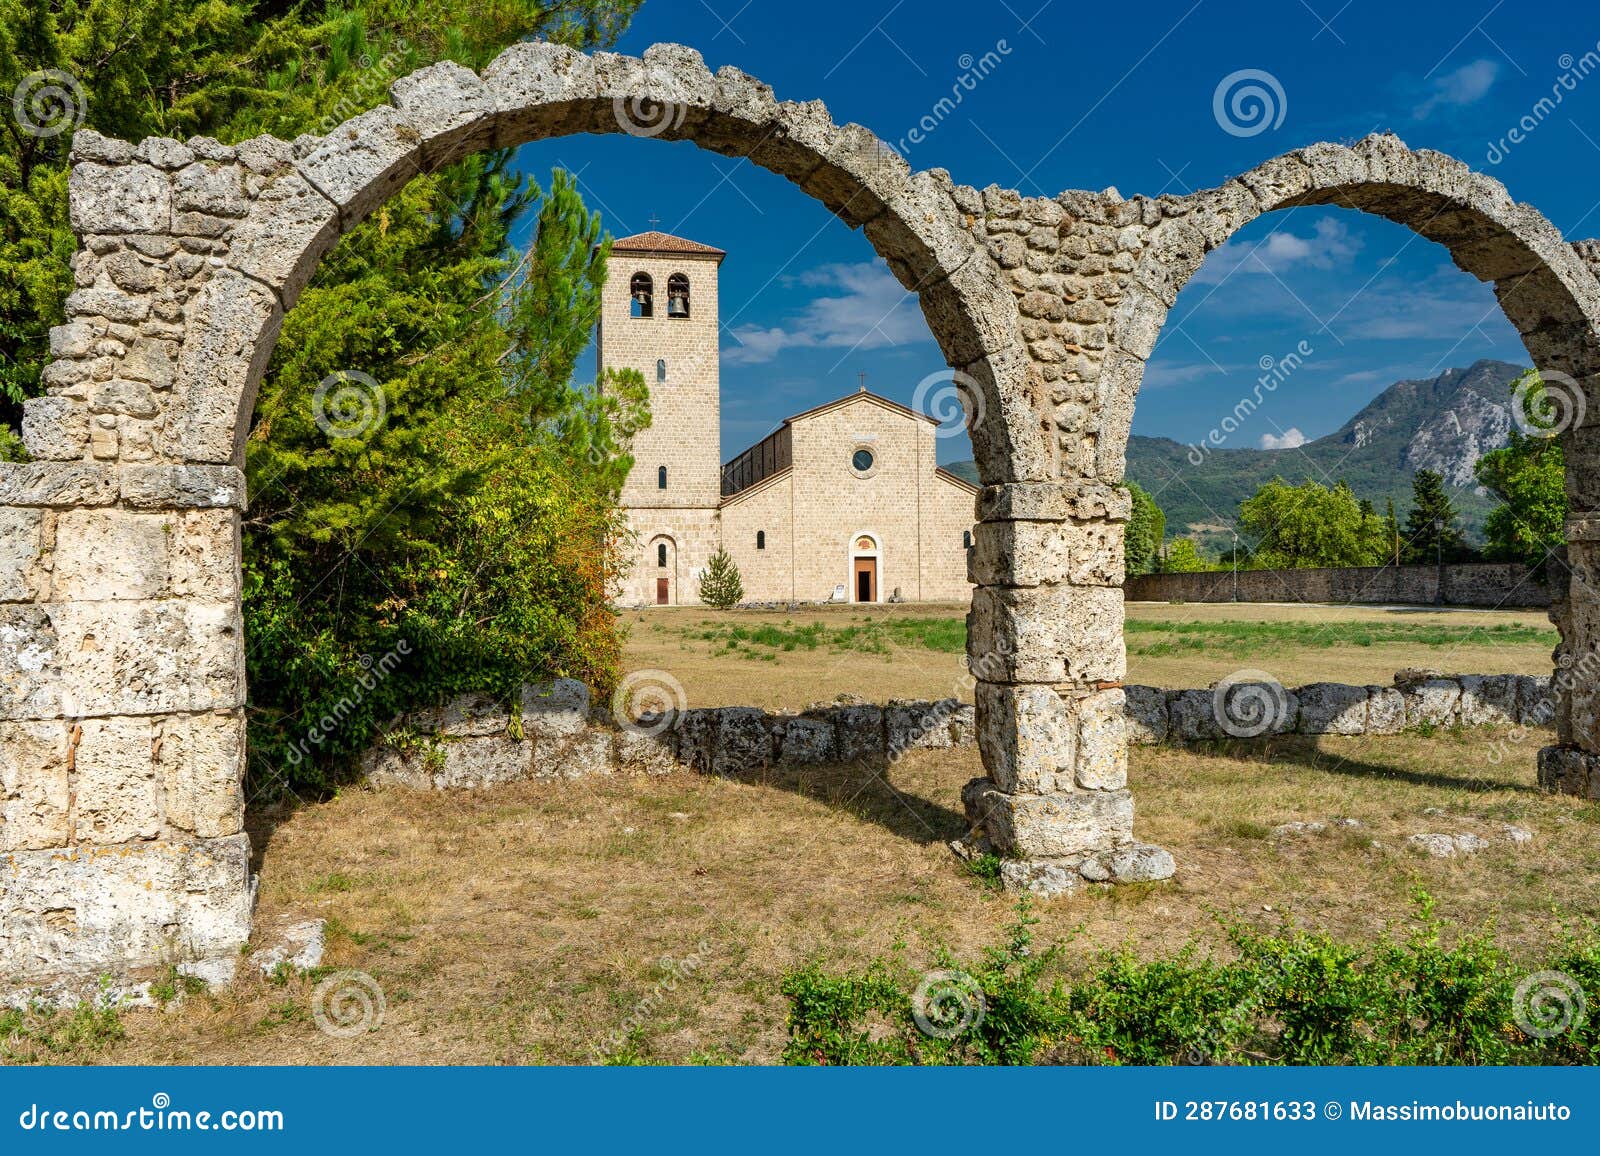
1490 584
554 732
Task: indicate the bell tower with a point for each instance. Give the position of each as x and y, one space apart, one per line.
659 316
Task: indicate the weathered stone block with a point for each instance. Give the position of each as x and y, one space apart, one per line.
1536 700
55 428
291 225
452 111
199 759
807 741
556 709
1331 708
229 330
30 664
1386 711
113 554
114 780
147 657
1569 771
588 753
97 909
858 733
912 725
1432 702
697 738
167 487
22 575
474 715
1056 826
364 161
56 484
35 795
1086 553
537 87
119 199
1102 757
1028 736
1147 714
1488 700
640 752
1191 715
743 741
1046 634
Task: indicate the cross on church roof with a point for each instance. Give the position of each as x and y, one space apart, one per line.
654 220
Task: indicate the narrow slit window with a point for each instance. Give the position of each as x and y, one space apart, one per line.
661 370
661 554
661 478
761 539
966 539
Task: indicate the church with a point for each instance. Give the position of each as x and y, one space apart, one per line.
842 503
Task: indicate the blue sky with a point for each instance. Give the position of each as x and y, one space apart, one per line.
1086 96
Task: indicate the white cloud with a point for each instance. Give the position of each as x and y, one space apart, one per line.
1466 85
1161 375
1328 245
864 307
1291 438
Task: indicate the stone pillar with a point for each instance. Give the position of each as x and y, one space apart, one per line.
1572 765
121 722
1044 641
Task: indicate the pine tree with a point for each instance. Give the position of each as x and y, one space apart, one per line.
1433 528
721 585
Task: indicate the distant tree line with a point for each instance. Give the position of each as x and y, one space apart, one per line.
1285 526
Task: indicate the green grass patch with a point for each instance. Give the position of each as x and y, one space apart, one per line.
1238 639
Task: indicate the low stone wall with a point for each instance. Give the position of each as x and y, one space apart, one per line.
555 732
1248 708
1489 584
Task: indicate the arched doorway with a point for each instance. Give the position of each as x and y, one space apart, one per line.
660 572
865 566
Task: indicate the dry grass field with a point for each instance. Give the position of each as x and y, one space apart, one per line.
784 660
526 924
530 923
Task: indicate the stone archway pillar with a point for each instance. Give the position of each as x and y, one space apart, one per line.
1044 642
122 839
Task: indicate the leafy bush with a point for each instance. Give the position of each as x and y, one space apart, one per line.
1286 997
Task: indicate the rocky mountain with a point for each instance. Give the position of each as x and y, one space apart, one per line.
1444 423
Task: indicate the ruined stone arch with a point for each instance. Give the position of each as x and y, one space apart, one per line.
121 652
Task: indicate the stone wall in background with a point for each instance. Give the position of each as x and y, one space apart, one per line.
1490 584
555 732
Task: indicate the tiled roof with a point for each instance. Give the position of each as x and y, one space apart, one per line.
654 242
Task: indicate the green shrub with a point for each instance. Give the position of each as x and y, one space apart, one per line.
1288 996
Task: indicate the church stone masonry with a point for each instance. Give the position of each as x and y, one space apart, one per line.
844 502
121 656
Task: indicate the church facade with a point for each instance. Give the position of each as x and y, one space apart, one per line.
842 503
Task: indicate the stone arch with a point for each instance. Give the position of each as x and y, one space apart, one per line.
121 657
272 209
1546 286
